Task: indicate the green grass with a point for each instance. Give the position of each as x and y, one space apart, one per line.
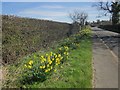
75 73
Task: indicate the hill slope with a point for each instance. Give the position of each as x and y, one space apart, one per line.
22 36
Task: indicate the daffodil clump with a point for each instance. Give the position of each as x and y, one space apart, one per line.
74 41
40 67
86 32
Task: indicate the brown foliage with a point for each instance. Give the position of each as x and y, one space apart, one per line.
22 36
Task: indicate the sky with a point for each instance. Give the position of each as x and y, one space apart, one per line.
56 11
54 0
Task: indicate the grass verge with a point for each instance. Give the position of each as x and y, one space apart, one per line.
76 72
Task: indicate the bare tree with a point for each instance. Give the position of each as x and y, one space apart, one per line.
112 8
78 17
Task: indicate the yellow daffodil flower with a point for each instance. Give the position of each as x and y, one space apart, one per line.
48 65
42 57
60 48
30 62
53 59
51 53
56 64
55 70
57 59
46 70
59 55
29 66
48 58
41 67
50 62
51 67
46 54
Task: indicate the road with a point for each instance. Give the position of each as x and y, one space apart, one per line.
111 39
105 58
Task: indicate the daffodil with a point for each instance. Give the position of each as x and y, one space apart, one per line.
41 67
59 55
53 59
51 67
66 53
55 56
46 54
48 65
51 53
67 48
42 56
46 70
61 58
48 58
56 64
57 59
60 48
55 70
50 62
29 66
30 62
43 60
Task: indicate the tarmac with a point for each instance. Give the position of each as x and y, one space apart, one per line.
105 61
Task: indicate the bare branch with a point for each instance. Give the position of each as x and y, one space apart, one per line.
112 8
78 17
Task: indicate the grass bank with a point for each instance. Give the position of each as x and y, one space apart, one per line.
74 72
23 36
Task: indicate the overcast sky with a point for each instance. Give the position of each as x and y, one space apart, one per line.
57 11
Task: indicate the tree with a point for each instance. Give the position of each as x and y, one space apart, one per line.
79 17
98 21
110 7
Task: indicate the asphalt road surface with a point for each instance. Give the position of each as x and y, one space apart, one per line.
111 39
105 58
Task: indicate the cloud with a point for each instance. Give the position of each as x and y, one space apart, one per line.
53 7
42 13
60 7
81 8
